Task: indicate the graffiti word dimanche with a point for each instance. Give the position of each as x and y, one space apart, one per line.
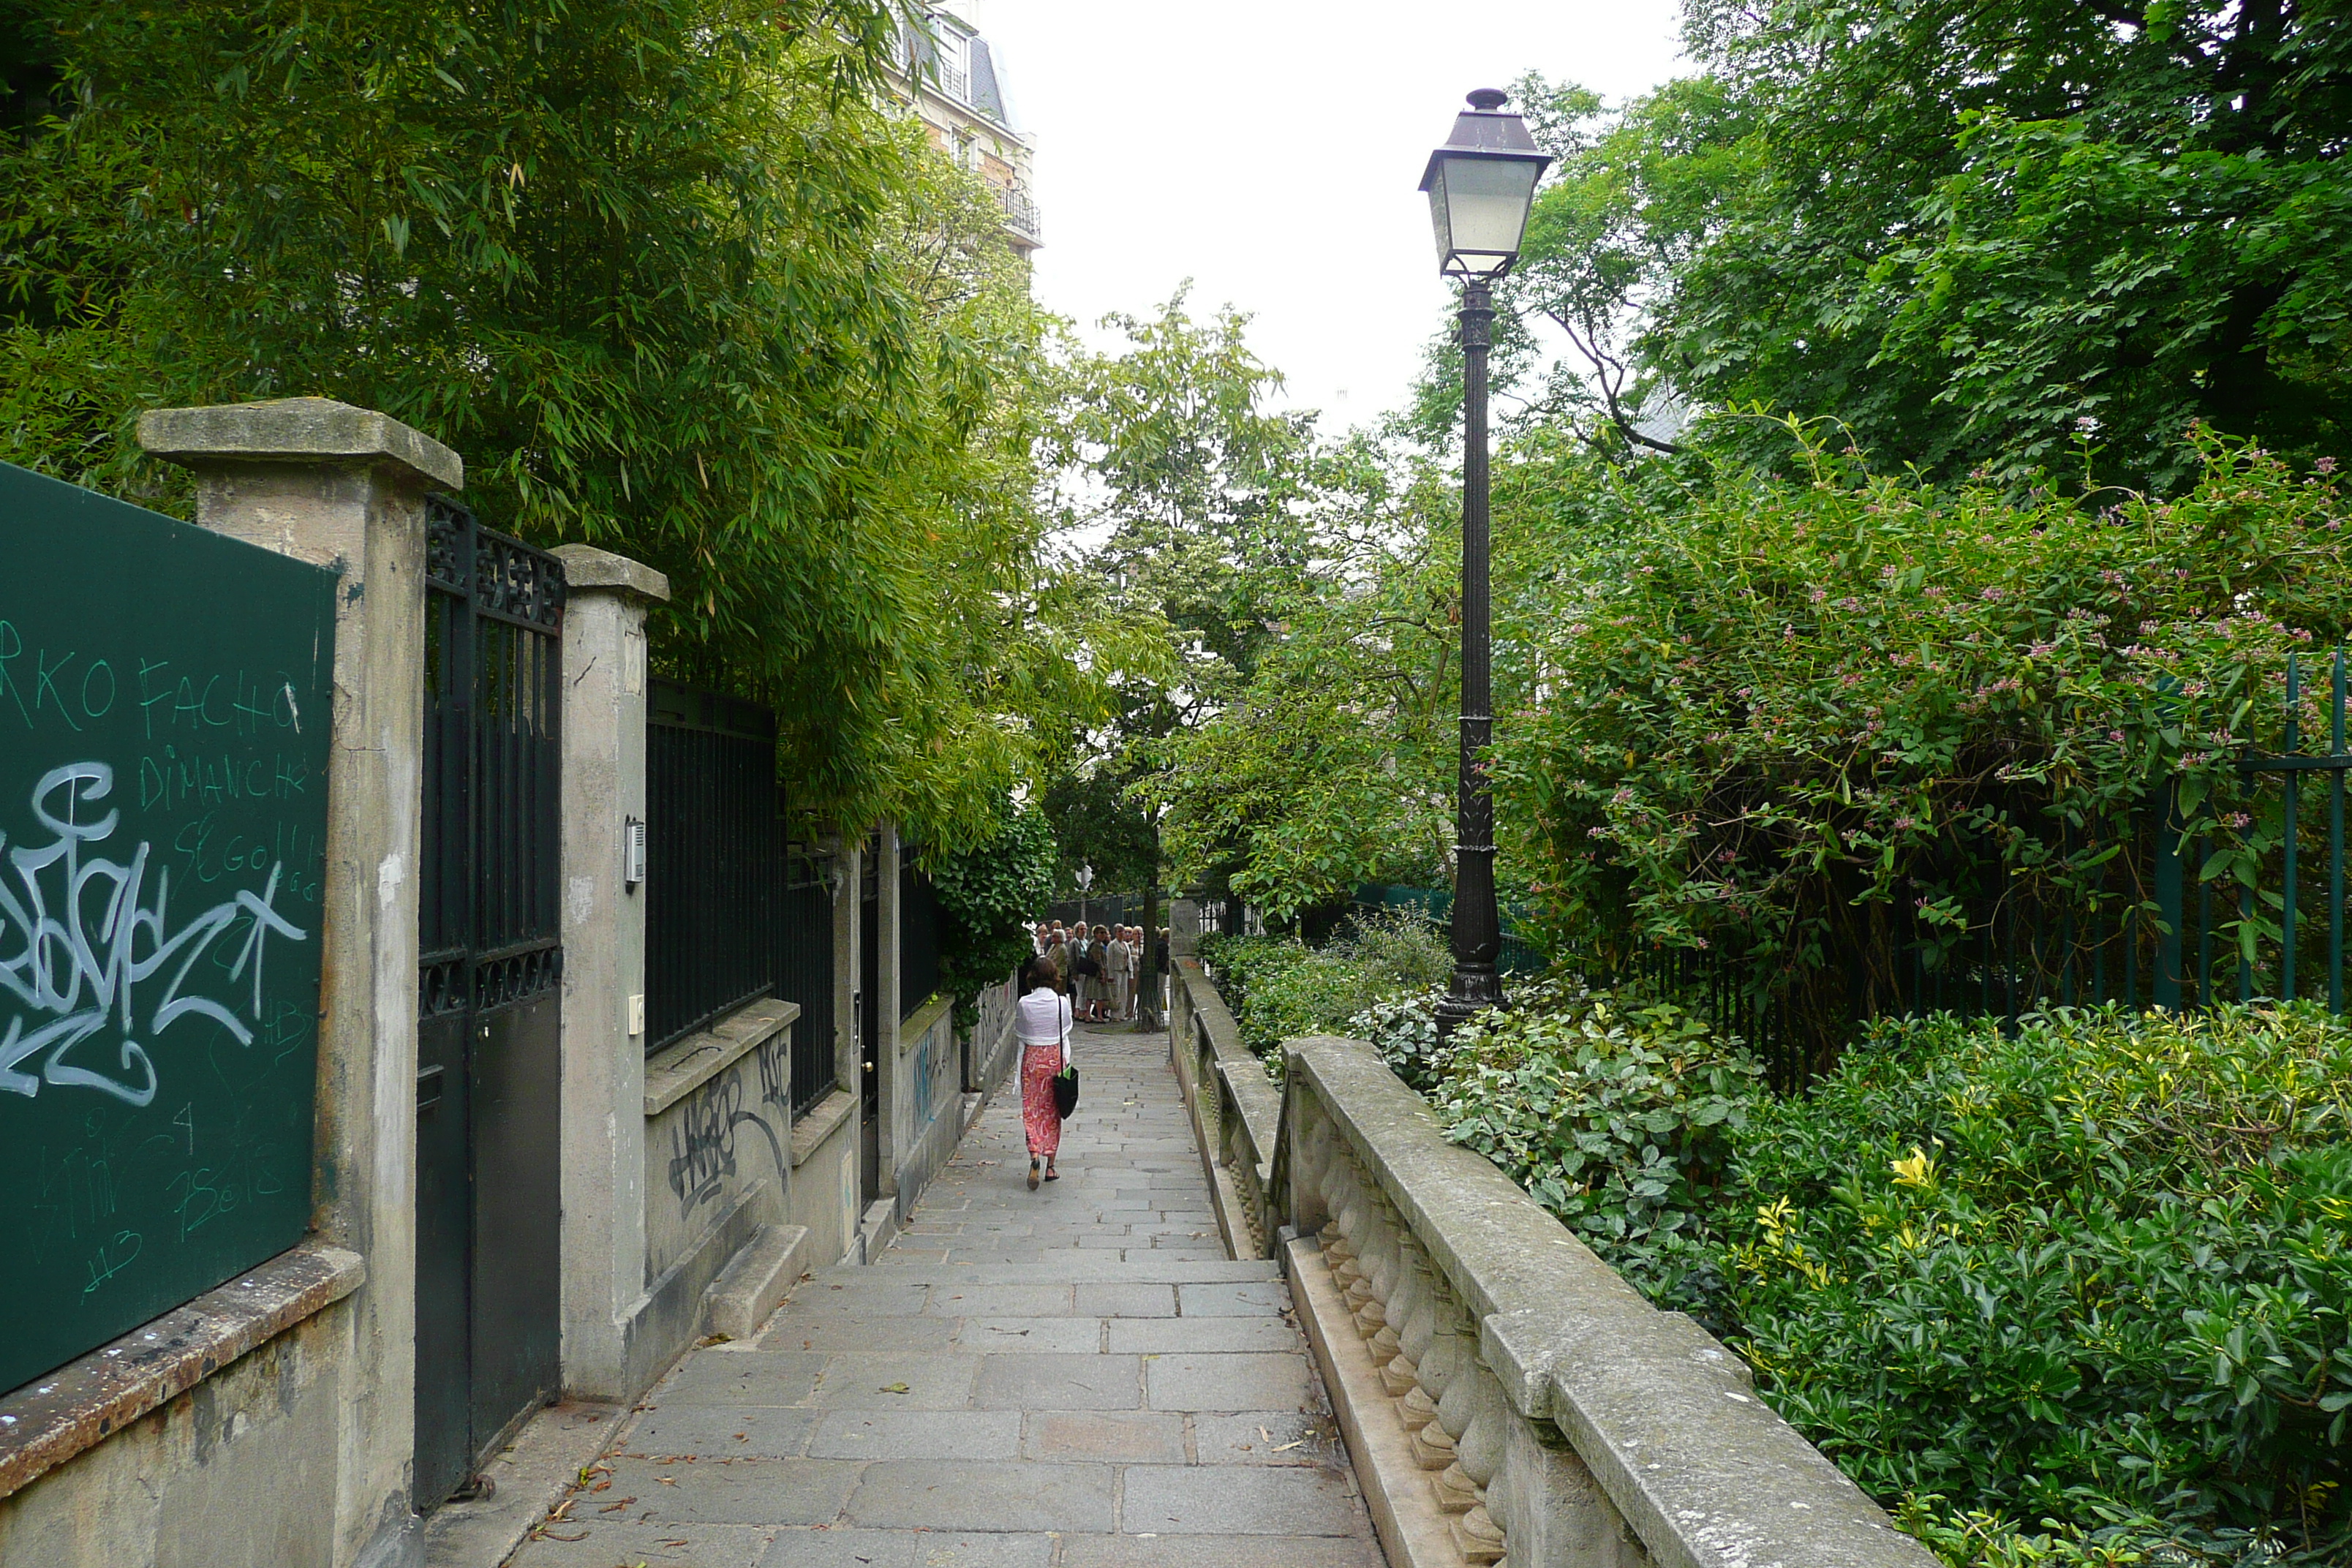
80 935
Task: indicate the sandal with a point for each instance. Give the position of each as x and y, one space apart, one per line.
1051 1174
1032 1175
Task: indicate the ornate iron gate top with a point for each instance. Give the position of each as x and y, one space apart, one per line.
490 931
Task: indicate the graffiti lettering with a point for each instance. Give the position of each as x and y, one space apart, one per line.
80 934
702 1141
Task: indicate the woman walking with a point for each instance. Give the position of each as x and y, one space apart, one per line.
1043 1023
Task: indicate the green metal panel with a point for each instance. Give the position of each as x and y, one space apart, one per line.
165 698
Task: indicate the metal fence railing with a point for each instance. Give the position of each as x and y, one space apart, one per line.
2163 918
714 843
918 937
734 910
801 950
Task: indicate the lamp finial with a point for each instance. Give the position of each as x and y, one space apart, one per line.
1487 99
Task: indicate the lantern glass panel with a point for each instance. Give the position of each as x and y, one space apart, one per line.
1480 207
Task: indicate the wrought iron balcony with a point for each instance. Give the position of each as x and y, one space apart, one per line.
1020 211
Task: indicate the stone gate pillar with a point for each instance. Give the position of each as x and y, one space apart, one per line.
344 487
603 915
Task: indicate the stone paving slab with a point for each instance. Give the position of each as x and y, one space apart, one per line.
1077 1377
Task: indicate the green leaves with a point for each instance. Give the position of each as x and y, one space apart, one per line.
664 275
2118 1305
1615 1115
988 893
2035 236
2095 1277
1881 706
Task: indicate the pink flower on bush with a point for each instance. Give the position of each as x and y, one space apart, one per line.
2325 465
1818 595
1992 595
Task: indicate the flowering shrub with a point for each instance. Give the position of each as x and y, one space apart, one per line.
1617 1117
1802 722
2095 1274
1279 988
2073 1296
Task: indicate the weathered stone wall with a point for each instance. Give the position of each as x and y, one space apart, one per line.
285 1428
241 1468
927 1098
1561 1417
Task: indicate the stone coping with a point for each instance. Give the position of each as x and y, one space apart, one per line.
811 1130
296 430
587 567
85 1402
1707 1475
919 1022
676 1071
1247 1088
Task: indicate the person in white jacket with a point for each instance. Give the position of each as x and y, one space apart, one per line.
1041 1020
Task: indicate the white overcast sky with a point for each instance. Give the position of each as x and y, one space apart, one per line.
1269 149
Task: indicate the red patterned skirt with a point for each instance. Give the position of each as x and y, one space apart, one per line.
1038 1117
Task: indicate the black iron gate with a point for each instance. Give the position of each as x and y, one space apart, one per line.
870 1019
489 1009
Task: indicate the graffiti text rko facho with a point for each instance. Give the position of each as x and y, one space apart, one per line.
89 936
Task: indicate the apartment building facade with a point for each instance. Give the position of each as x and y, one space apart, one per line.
946 75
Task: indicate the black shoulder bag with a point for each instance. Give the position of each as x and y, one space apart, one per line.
1065 1082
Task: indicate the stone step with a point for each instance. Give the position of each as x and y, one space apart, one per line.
1067 1266
754 1280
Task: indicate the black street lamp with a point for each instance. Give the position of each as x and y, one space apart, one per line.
1480 184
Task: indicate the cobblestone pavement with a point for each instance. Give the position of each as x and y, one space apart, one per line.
1077 1377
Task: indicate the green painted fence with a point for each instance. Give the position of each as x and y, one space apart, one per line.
2172 919
166 698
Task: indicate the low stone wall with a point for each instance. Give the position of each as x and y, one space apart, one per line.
1504 1394
1235 1108
994 1044
927 1099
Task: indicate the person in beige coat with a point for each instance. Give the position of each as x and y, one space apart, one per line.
1119 971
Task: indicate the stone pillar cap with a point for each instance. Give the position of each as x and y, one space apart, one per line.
296 430
587 567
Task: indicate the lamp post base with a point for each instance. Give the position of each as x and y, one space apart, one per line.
1476 988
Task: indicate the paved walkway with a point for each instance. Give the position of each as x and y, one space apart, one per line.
1077 1377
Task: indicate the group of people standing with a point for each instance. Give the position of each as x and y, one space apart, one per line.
1100 966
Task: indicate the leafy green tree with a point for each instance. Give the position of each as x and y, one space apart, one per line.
1966 231
1180 498
1333 765
660 269
1099 823
989 894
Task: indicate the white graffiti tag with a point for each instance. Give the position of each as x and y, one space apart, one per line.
79 936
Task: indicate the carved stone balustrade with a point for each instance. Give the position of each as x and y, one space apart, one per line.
1556 1418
